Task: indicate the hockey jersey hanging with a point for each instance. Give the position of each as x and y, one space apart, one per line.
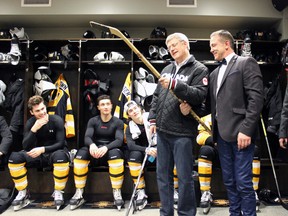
124 97
60 104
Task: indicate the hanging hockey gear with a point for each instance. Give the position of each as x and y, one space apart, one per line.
205 202
43 84
246 47
118 201
77 200
141 199
118 33
21 200
143 89
19 32
58 198
93 87
285 205
15 52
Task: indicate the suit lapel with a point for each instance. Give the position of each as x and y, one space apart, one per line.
227 71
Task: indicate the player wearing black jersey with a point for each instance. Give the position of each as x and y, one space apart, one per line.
103 139
43 145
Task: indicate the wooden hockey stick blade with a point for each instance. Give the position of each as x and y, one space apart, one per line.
118 33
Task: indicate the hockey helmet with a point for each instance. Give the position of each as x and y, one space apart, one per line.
280 4
5 34
107 34
89 34
159 32
125 33
43 85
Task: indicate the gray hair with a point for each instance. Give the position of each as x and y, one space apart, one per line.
180 37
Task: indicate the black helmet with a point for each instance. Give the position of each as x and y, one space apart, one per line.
5 34
107 34
158 32
125 33
279 4
89 34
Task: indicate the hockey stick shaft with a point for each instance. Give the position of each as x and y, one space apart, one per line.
272 164
118 33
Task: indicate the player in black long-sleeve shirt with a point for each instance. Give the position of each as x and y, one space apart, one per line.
43 145
103 139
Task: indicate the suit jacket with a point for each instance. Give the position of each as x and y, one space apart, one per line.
239 100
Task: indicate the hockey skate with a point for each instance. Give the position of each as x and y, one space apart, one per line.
58 199
77 200
21 200
257 201
205 202
118 201
141 199
176 196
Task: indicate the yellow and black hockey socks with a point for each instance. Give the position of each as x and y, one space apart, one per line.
116 172
19 175
80 172
60 173
205 174
135 172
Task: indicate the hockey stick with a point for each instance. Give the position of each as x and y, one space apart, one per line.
285 205
118 33
137 182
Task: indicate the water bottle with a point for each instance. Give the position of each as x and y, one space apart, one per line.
151 158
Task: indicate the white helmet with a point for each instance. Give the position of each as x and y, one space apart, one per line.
43 84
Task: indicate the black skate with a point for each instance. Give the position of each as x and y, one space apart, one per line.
77 200
206 200
21 200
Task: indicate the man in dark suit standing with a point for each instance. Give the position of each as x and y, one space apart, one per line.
236 93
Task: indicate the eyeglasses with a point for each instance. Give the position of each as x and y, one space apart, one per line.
173 45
